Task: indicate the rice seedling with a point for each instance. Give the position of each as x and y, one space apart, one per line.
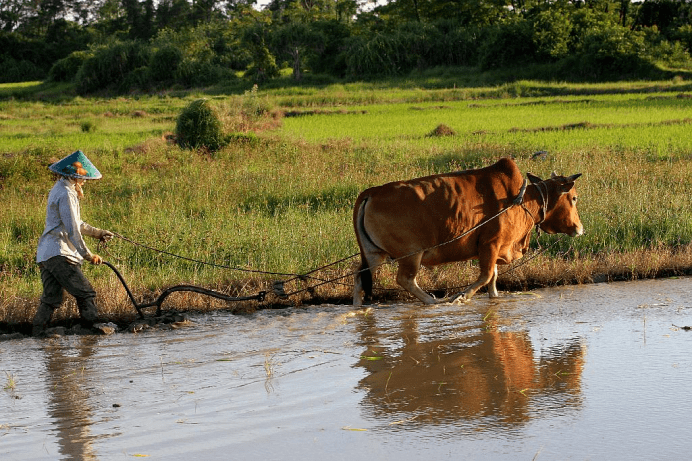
269 365
11 382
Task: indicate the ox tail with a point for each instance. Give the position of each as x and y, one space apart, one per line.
364 274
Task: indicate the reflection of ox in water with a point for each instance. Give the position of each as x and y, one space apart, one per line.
440 370
420 221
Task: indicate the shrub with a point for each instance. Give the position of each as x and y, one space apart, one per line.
88 126
164 63
198 126
457 45
110 64
13 70
66 69
243 138
612 52
508 44
551 34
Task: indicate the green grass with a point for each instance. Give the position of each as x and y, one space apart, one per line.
283 203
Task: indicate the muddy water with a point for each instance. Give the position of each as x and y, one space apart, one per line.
587 372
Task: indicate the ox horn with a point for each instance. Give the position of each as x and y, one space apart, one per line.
533 178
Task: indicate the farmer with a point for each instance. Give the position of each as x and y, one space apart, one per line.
61 248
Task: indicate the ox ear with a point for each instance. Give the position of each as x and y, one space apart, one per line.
567 186
533 178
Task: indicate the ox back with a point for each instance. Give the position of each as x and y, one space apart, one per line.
420 221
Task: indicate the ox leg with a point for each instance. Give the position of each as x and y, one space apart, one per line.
406 277
492 286
363 279
488 273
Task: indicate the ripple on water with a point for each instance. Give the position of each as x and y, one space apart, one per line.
595 371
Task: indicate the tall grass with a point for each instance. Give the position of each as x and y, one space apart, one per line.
283 204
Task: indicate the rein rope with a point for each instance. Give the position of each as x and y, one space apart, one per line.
278 286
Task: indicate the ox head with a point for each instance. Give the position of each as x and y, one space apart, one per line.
559 204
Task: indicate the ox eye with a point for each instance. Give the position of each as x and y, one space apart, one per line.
574 199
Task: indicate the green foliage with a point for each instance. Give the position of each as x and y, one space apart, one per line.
13 70
164 63
551 35
198 126
109 66
508 44
380 54
610 52
88 126
327 55
66 69
243 138
281 201
22 58
253 105
199 56
262 63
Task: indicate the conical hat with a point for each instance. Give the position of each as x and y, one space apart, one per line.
76 165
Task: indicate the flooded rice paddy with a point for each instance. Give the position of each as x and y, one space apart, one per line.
586 372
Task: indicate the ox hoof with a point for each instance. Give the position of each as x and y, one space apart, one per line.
459 298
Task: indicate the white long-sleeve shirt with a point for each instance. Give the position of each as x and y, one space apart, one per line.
62 235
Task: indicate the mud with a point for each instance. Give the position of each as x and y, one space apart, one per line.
73 326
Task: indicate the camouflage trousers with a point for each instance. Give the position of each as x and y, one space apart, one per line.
58 275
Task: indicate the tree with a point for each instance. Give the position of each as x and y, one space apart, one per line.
295 39
12 13
173 14
263 66
204 11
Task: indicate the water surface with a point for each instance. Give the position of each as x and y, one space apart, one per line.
586 372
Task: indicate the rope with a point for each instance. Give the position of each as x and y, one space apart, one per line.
519 200
521 262
206 263
278 285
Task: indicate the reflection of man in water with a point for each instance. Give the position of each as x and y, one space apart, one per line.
472 371
68 397
61 248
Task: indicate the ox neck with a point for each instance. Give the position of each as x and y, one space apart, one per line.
541 200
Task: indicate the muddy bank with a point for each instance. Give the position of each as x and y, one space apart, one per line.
530 273
69 327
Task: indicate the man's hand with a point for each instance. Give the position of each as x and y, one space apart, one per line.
106 235
96 260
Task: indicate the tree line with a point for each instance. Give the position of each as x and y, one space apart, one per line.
125 45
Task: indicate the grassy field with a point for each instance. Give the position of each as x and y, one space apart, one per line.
283 204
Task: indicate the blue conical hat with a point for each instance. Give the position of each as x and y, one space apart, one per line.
76 165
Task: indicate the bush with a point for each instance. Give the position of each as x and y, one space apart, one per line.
508 44
198 126
250 139
66 69
551 34
164 63
379 54
195 57
457 45
109 65
13 70
612 52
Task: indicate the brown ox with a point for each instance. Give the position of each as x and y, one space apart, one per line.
420 221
